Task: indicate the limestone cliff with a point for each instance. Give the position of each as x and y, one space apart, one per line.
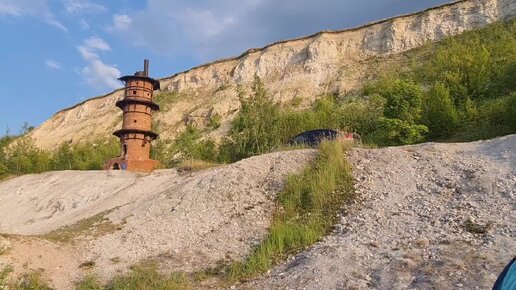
329 61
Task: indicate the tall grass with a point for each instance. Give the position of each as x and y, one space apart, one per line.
306 210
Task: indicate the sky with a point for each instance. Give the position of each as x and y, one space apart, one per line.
57 53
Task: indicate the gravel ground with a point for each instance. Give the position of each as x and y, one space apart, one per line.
184 221
428 216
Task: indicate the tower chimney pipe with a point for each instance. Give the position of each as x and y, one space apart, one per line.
146 67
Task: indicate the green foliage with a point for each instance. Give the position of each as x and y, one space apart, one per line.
21 156
4 276
439 113
166 99
189 144
89 282
86 155
306 211
470 81
476 64
253 130
215 121
399 132
403 101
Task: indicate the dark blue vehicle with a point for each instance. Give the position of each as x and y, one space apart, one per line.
313 138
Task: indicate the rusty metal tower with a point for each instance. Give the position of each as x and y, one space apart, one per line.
136 133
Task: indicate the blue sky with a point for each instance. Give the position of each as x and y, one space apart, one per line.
56 53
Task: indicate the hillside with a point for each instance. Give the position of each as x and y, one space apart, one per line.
426 216
305 68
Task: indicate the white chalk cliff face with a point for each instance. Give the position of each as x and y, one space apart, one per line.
329 61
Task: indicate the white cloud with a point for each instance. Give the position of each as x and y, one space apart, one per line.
31 8
10 8
52 63
50 19
83 6
120 22
96 43
98 74
84 25
213 29
204 24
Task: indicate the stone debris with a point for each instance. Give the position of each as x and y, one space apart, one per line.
428 216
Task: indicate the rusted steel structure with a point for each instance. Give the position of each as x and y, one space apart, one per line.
136 134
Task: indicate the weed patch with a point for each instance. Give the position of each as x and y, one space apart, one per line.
307 209
95 226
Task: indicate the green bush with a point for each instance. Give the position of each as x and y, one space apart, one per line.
398 132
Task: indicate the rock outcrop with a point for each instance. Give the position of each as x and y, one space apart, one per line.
329 61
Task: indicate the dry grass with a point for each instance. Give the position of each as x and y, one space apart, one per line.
191 165
95 226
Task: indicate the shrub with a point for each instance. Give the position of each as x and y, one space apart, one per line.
439 113
399 132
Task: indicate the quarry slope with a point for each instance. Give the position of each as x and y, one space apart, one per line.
429 216
184 221
304 68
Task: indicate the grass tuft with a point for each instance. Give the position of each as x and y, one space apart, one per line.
4 277
29 281
94 226
147 277
89 282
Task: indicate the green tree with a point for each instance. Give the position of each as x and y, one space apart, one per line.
403 99
256 127
439 113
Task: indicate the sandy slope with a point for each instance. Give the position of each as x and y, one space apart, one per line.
185 221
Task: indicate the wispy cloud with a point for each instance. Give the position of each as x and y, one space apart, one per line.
83 6
52 63
96 43
98 74
10 8
35 8
84 25
213 29
121 22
